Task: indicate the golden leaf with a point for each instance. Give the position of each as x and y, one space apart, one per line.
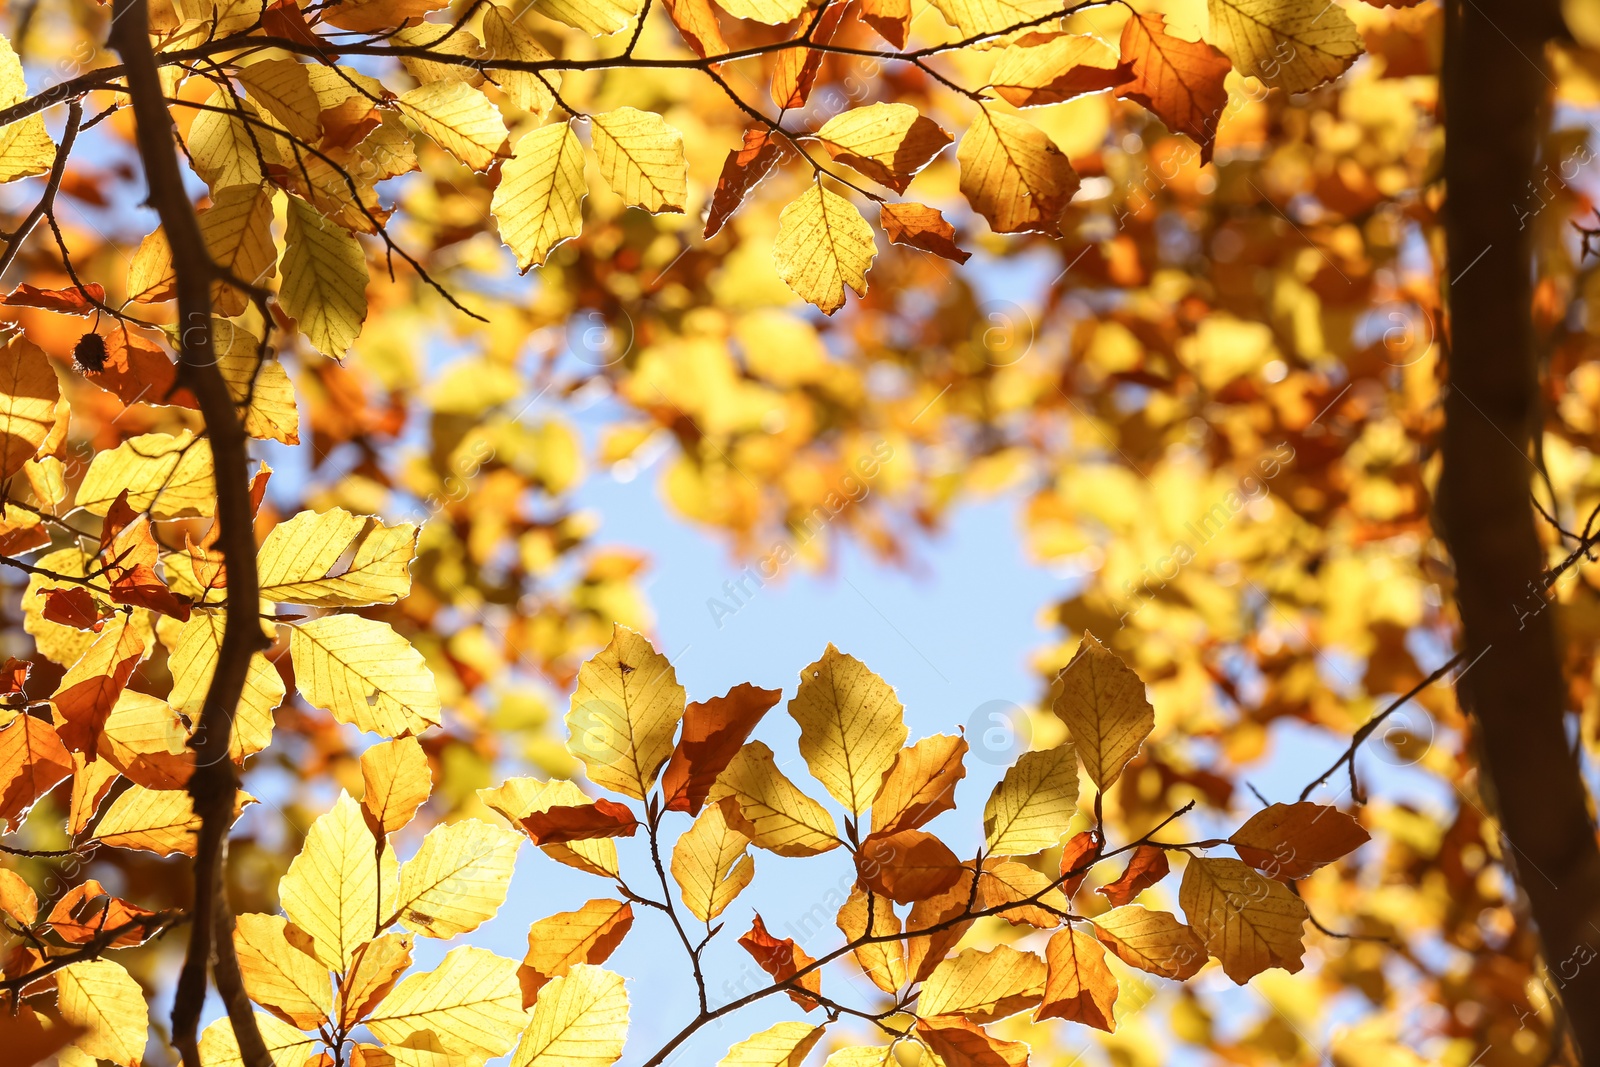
1050 68
984 985
1014 175
193 662
823 244
1293 45
783 1045
374 969
398 782
1033 804
889 143
470 1001
25 146
364 673
336 559
1153 941
884 962
851 727
324 283
539 201
286 1046
507 38
560 942
458 878
1102 702
168 476
624 713
1248 921
1079 986
920 785
29 390
280 971
641 158
517 798
769 809
459 118
332 889
103 999
711 864
580 1020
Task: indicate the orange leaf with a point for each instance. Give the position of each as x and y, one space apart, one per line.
925 952
1051 68
580 822
32 761
1078 854
1181 81
88 691
891 18
923 227
713 732
588 935
27 1040
137 372
1288 841
1079 986
907 866
782 958
87 910
961 1044
68 301
795 71
697 23
742 171
1147 866
74 606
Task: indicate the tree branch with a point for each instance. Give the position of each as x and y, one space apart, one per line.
215 780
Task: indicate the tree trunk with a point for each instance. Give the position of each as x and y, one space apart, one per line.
1494 88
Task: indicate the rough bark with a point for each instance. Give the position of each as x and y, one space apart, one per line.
215 780
1494 90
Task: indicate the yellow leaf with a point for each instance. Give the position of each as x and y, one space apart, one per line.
397 781
784 1045
459 118
539 201
851 727
237 228
581 1020
772 12
17 898
282 89
373 971
984 986
711 865
1153 941
29 390
518 798
980 17
471 1002
641 158
324 280
154 820
823 244
507 38
920 785
458 878
168 476
332 889
280 973
1033 804
598 18
566 939
624 713
103 999
193 663
364 673
286 1046
1014 175
889 143
1102 702
257 382
25 146
1049 68
863 1057
883 962
336 559
147 741
222 149
1293 45
1079 987
1248 921
771 810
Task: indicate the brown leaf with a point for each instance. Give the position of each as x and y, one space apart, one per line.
742 171
27 1040
137 372
782 958
1146 867
923 227
1289 841
1181 81
90 689
907 866
891 18
580 822
713 732
961 1044
1080 987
